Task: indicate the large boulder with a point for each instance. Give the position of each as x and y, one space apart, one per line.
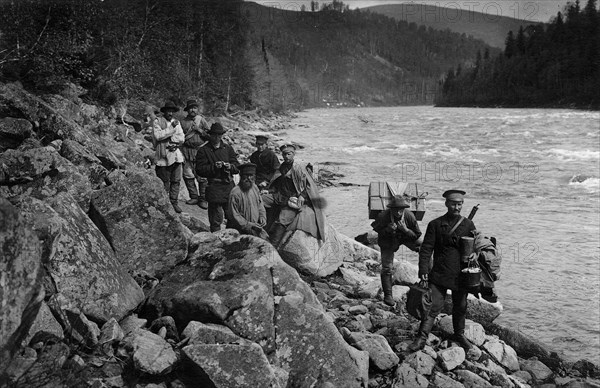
242 283
381 354
137 219
525 346
539 371
87 162
230 366
407 377
151 354
42 173
502 353
471 380
321 258
13 132
21 274
45 323
405 273
81 265
55 117
16 102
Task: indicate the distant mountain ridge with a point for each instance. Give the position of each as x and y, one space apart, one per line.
348 57
490 28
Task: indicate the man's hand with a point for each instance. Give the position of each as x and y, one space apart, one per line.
219 164
174 123
262 222
424 279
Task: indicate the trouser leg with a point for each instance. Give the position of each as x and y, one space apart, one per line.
276 234
189 178
175 181
387 262
202 184
215 216
459 311
163 174
459 314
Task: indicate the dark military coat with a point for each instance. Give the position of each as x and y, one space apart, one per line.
446 251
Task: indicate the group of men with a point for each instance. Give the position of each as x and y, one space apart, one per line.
397 226
175 146
270 198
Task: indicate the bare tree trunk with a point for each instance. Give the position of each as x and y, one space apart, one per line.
201 56
228 91
229 79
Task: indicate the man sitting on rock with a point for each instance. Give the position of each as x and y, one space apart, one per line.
395 226
246 211
217 161
294 197
442 239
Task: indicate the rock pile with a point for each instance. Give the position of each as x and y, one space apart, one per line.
103 285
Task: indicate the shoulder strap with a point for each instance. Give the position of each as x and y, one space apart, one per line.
456 225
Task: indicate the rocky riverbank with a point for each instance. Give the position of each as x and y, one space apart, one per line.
104 285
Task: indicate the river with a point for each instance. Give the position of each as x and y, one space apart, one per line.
535 173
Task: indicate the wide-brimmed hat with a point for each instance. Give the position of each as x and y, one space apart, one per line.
398 203
169 107
216 129
191 104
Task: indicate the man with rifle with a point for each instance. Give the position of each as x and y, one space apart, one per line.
443 240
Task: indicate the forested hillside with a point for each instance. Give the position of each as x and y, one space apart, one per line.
231 53
553 66
491 28
338 56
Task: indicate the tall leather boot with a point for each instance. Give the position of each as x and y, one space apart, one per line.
190 184
458 324
386 286
202 183
277 232
424 330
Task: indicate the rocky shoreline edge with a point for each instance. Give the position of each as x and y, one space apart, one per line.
104 285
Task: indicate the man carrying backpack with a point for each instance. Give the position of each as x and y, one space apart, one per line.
442 239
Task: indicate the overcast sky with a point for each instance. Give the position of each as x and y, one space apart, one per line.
540 11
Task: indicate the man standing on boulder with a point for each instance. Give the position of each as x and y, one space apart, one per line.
246 211
395 226
217 162
167 136
442 238
293 195
266 162
195 129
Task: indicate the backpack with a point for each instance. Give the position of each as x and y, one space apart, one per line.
489 260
